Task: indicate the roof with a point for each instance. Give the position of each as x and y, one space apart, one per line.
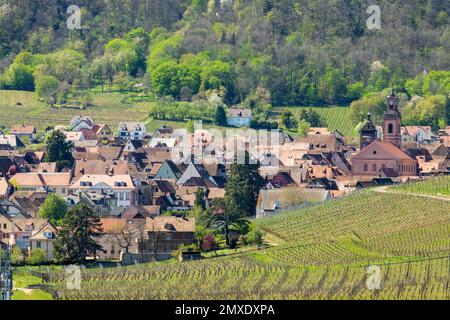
168 142
387 147
76 120
22 129
121 182
164 186
44 167
388 172
89 134
100 167
413 130
239 113
41 179
132 126
318 131
11 140
321 141
145 211
104 152
170 224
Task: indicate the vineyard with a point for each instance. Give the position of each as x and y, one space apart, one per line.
335 117
439 186
17 107
322 253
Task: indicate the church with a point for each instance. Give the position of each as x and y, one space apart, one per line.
383 158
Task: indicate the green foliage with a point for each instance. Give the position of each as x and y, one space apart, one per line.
428 111
374 103
37 257
17 256
200 199
75 237
312 117
288 120
19 77
303 128
242 187
46 86
220 117
59 150
54 208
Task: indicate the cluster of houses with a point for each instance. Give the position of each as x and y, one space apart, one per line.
132 179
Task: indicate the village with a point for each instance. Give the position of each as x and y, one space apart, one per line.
144 184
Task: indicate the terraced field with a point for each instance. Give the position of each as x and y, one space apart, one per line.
335 117
322 253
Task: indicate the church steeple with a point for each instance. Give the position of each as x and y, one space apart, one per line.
368 132
392 122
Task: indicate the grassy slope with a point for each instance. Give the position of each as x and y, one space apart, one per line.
335 117
324 255
108 108
439 186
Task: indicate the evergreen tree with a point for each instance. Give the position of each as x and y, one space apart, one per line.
75 238
200 199
59 150
220 118
242 187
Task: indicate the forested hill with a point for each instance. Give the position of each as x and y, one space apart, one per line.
298 51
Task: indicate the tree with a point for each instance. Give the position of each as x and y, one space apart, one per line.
242 187
303 128
59 150
200 199
47 86
75 238
220 117
54 208
37 257
124 234
17 256
288 120
190 126
20 77
312 117
225 219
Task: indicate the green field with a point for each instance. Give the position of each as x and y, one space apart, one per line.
439 186
107 108
335 117
320 253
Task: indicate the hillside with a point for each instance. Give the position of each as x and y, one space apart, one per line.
321 252
303 52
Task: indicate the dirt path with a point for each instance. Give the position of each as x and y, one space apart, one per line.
385 190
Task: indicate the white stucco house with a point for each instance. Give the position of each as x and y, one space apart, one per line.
132 130
239 117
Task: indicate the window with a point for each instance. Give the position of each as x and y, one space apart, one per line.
366 167
374 167
127 196
38 244
4 226
390 128
168 236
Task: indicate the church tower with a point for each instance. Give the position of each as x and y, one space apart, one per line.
392 122
368 132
